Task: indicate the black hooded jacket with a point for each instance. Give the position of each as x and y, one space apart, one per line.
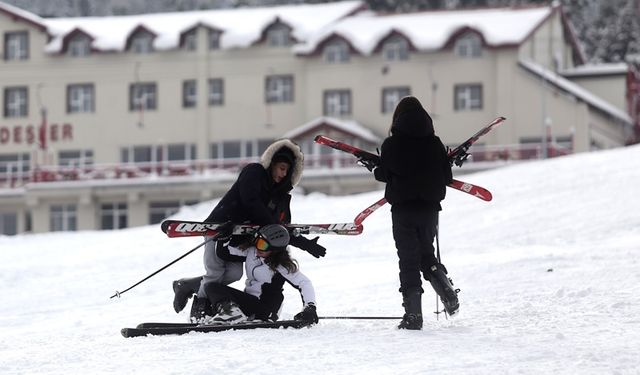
414 162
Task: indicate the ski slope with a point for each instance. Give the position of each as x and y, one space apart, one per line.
549 272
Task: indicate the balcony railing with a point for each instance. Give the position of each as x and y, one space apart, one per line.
12 177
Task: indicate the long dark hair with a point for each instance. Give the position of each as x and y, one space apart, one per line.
281 258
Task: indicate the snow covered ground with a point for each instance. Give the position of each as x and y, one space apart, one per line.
549 272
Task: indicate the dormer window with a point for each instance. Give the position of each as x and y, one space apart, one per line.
190 40
336 51
79 45
214 39
278 35
468 45
142 42
396 48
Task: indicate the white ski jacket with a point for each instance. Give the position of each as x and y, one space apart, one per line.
258 273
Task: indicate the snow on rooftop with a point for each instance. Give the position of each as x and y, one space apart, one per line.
596 69
241 27
578 91
432 30
349 126
8 8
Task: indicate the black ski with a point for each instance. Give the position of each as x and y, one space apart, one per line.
161 329
185 228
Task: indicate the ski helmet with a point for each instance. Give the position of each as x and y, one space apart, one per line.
275 235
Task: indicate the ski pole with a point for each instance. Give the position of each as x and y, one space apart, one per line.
361 317
118 294
437 312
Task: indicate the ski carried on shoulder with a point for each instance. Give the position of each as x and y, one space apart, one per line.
161 329
457 156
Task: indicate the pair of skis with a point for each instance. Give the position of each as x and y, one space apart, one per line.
457 156
161 329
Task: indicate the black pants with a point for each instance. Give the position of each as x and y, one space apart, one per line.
259 308
414 228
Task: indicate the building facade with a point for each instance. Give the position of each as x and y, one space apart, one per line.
117 122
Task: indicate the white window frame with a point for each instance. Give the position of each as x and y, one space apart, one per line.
468 45
391 96
114 215
191 40
396 48
63 217
16 46
75 158
143 96
278 89
142 42
214 39
78 46
189 93
16 101
278 35
216 91
336 51
80 98
468 97
337 103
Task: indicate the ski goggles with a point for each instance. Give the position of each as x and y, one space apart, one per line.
262 244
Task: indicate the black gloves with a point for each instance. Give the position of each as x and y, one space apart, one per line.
308 314
225 231
368 163
311 246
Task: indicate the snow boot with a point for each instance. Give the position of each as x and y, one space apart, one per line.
201 310
443 286
184 289
412 303
228 312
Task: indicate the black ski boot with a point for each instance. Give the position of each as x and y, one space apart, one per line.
183 289
412 303
443 286
201 310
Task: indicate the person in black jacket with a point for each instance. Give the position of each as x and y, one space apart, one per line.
416 169
260 195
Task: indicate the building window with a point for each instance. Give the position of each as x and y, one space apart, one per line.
336 51
113 215
75 158
279 89
467 97
216 91
337 103
391 96
8 223
142 42
63 218
79 45
142 96
14 164
468 45
396 48
278 35
80 98
190 42
138 154
15 102
189 93
16 45
158 211
181 152
214 39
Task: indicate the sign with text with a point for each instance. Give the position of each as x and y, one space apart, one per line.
30 134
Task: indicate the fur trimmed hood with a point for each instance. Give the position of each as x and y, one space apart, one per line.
298 162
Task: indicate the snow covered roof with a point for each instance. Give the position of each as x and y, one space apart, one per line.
240 27
577 91
347 126
596 70
432 30
21 14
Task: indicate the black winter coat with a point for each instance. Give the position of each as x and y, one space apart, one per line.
254 198
415 167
